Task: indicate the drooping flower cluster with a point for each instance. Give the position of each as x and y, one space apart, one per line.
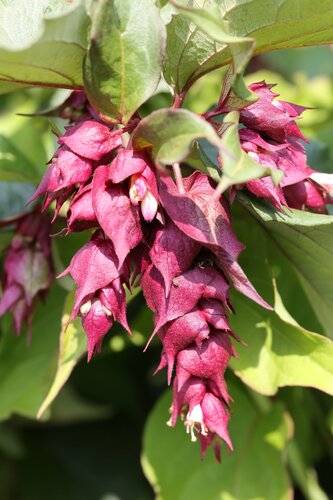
28 268
110 188
173 238
272 138
179 245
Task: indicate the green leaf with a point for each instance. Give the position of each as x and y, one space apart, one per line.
279 352
72 346
29 18
306 239
26 373
14 165
6 87
173 467
123 65
238 167
170 133
273 25
37 47
209 20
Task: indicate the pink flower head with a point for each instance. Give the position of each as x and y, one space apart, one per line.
81 215
313 193
92 268
91 139
100 297
96 321
206 220
59 181
179 333
274 118
205 415
272 138
208 361
117 216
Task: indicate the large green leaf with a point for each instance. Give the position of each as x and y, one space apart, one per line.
6 87
123 65
209 20
306 239
42 42
169 133
26 373
279 352
172 462
72 346
273 25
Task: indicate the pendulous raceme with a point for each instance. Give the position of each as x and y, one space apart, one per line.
177 244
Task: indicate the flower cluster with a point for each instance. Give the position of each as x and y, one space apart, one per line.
28 267
272 138
179 244
174 238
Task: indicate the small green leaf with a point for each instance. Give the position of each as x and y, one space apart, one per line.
38 47
15 166
123 65
306 239
237 166
73 344
26 373
208 155
173 467
170 133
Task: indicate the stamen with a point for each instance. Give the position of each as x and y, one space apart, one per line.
85 308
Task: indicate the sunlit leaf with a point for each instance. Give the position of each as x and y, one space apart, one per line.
123 64
169 134
42 42
306 239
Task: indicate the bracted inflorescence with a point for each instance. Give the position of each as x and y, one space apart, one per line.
28 267
272 138
173 238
